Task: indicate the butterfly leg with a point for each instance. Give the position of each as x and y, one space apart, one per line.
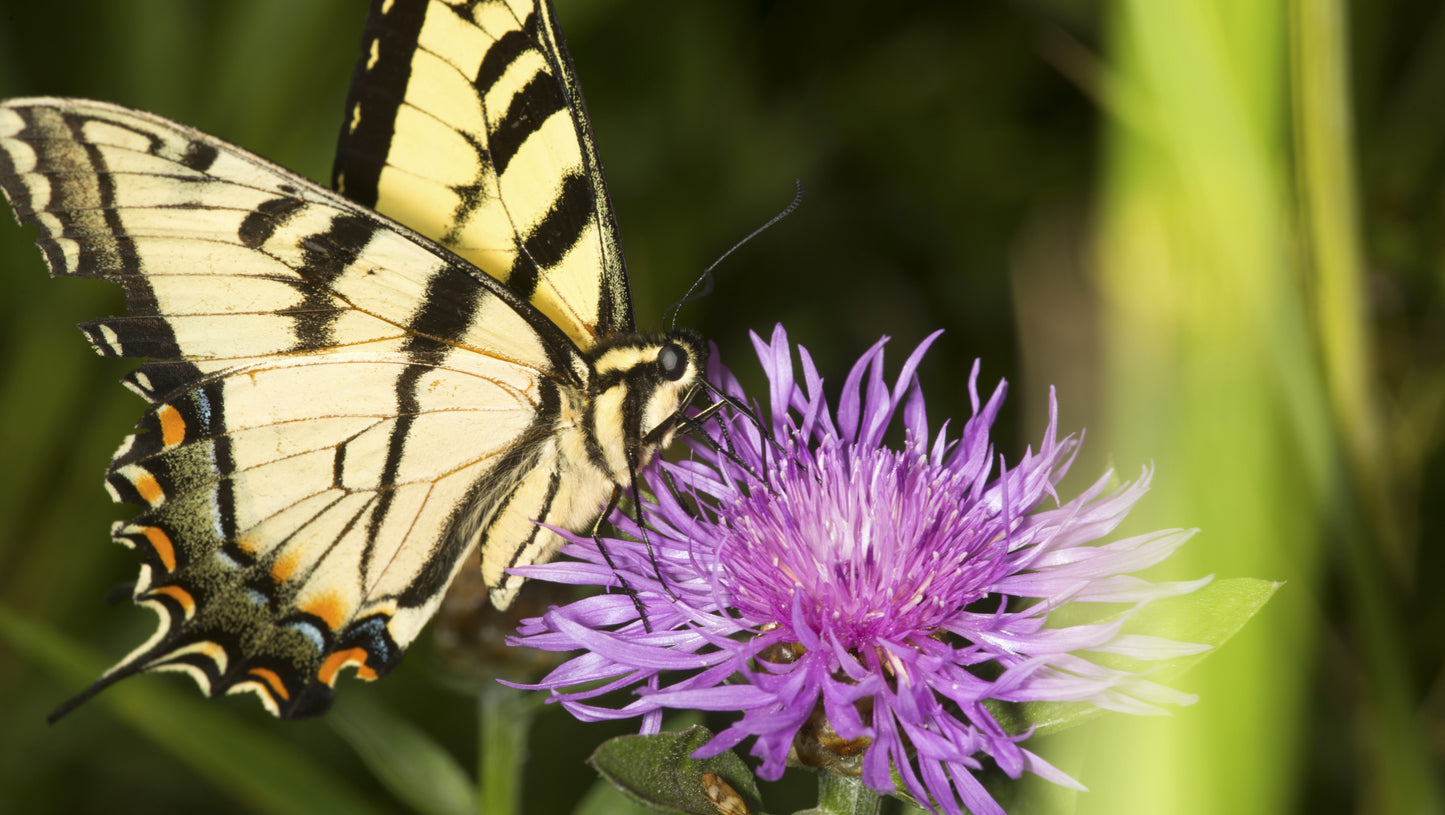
607 556
642 530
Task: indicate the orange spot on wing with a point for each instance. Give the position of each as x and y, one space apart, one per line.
343 659
173 425
248 544
149 489
161 543
285 566
273 682
180 595
330 608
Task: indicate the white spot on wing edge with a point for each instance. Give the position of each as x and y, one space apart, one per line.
156 636
192 671
47 221
105 341
124 447
143 581
142 385
10 123
22 155
262 692
215 514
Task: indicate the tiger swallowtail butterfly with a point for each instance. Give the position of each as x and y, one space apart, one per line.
350 391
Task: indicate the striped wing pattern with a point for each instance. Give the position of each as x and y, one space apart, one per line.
465 122
339 409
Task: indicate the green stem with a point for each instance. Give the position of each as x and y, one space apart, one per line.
504 721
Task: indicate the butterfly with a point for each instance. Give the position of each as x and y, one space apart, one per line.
347 393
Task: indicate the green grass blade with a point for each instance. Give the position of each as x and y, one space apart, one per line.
404 758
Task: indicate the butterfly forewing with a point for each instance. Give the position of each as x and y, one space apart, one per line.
465 123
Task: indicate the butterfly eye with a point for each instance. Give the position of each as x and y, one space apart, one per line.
673 360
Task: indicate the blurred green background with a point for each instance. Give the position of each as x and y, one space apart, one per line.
1214 225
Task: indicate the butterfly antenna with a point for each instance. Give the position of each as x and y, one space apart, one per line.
702 286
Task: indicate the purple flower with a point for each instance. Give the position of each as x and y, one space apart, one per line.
845 596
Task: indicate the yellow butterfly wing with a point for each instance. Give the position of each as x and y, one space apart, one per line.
466 123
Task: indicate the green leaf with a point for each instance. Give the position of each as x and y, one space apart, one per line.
404 758
267 774
656 771
1209 616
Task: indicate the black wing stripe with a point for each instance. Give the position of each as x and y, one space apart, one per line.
407 406
377 91
447 311
327 256
530 108
523 549
199 156
258 226
614 308
500 56
561 229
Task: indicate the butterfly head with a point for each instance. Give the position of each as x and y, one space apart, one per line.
642 383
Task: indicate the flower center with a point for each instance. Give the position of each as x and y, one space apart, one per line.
863 542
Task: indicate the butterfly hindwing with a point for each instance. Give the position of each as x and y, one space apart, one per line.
465 122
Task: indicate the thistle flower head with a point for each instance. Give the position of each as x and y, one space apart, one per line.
860 605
